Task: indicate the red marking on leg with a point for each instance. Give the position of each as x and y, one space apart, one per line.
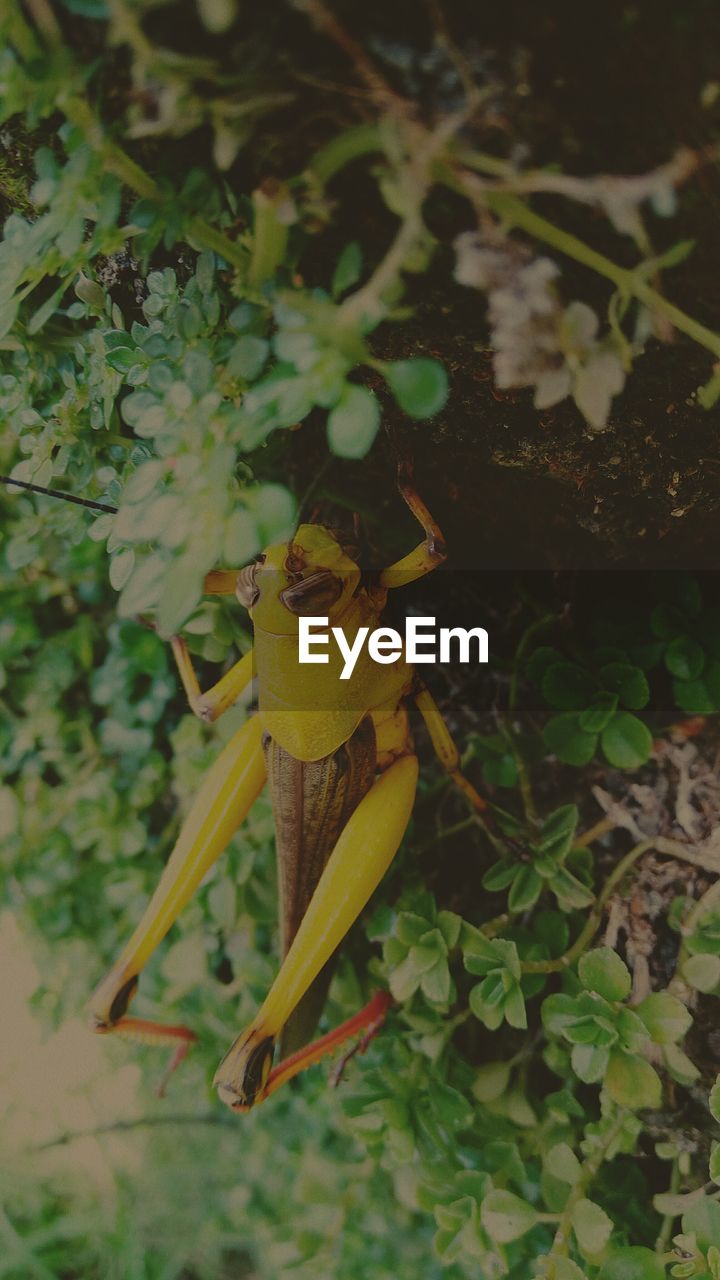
368 1020
144 1031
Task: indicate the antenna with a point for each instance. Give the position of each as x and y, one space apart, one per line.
58 493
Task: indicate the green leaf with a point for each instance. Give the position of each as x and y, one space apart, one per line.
514 1009
628 682
566 1269
685 658
539 661
591 1225
700 697
665 1017
679 1065
571 893
353 423
558 832
506 1217
589 1062
91 293
435 984
563 1164
602 971
247 357
121 566
567 686
491 1081
9 813
181 593
348 269
703 1219
500 771
274 509
601 710
499 875
633 1263
419 385
565 737
714 1100
626 741
676 254
525 890
632 1082
142 589
241 540
702 972
449 924
199 373
121 359
244 316
404 980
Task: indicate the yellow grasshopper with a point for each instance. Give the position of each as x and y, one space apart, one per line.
339 759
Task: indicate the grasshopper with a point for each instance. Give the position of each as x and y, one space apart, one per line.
342 771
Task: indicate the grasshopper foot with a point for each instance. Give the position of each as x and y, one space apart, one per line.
242 1075
110 1000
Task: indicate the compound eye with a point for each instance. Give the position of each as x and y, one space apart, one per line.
246 588
314 595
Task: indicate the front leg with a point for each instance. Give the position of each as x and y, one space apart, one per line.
429 553
228 792
362 855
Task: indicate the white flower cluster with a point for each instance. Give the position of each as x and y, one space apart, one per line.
536 341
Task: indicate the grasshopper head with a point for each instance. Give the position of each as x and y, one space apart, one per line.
310 576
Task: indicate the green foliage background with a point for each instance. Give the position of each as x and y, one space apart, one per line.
163 326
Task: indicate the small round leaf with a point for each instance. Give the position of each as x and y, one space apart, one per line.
685 658
506 1217
353 422
602 971
570 743
632 1082
419 385
626 741
633 1263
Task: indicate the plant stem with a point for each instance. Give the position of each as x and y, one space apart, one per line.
592 923
141 1122
666 1226
528 635
363 140
526 795
630 282
590 1167
270 237
593 833
368 301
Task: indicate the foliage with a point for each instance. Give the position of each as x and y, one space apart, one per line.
491 1142
598 691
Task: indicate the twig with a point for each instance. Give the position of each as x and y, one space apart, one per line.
140 1122
631 283
325 21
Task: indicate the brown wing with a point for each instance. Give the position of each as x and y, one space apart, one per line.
312 802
